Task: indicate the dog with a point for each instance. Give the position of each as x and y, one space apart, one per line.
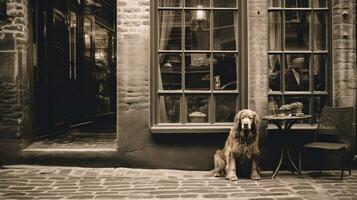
242 144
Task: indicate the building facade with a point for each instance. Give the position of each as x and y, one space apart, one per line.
183 69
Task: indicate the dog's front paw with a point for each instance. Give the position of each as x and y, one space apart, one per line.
255 177
232 177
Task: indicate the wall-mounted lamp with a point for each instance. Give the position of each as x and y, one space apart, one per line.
200 14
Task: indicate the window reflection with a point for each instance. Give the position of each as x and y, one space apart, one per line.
170 71
297 72
225 71
73 46
297 30
225 30
225 108
169 109
274 103
275 3
169 3
320 3
197 30
196 3
197 71
320 33
319 72
225 3
275 31
197 108
170 30
275 72
297 3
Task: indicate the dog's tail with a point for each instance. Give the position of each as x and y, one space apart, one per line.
219 164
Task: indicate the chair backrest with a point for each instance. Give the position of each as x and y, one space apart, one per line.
336 121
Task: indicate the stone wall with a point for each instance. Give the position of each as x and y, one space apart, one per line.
344 52
14 87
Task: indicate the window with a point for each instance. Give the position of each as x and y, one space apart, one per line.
197 59
299 61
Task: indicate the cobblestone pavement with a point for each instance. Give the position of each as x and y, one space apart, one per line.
40 182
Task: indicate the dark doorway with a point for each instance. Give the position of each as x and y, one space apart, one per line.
74 65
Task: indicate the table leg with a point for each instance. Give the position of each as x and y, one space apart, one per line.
279 164
291 160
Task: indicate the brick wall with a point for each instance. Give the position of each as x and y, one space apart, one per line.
14 90
257 56
344 52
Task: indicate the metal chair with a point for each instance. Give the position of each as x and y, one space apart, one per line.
333 121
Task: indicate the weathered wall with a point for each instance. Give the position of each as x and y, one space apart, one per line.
14 86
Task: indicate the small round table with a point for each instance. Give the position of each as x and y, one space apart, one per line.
288 122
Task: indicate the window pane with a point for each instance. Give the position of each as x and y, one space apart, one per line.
320 30
320 3
169 109
274 103
225 3
275 65
197 108
197 74
275 31
169 3
319 71
225 107
297 72
297 3
170 71
297 30
318 103
197 30
197 3
170 30
225 30
275 3
225 71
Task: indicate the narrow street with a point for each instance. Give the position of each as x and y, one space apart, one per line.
42 182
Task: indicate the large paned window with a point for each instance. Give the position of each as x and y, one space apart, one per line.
197 61
299 64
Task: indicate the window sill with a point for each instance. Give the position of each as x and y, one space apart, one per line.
296 127
192 128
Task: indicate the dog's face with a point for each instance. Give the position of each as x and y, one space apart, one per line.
247 122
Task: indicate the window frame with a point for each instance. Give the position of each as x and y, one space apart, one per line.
311 93
242 73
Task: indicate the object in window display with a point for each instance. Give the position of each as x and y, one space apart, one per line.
275 31
197 31
275 3
169 3
196 3
225 3
197 108
169 71
297 3
297 30
225 30
318 103
296 73
225 67
225 107
197 71
274 72
320 33
170 30
272 106
169 109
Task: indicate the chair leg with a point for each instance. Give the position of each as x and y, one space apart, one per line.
344 162
300 169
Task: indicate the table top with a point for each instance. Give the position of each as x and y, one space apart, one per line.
288 117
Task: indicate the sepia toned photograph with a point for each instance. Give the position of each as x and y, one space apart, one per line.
178 99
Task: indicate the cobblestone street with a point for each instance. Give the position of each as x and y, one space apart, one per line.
39 182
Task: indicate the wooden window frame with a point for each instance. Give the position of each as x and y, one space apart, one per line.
242 74
311 93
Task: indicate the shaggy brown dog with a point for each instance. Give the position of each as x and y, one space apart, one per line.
241 144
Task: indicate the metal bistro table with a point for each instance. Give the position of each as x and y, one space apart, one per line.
287 122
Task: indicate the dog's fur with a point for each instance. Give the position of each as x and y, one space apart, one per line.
242 144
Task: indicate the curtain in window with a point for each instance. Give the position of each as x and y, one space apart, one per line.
165 31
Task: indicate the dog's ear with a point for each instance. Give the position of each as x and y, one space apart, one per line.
256 122
237 120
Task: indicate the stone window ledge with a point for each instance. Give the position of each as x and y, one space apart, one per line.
213 129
